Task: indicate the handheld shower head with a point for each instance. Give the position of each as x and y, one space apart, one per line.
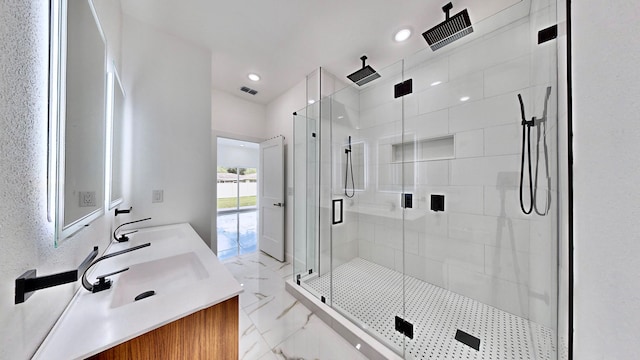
348 149
349 170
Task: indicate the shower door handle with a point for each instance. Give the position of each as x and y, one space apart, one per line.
278 204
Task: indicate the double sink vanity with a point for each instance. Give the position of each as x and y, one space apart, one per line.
193 312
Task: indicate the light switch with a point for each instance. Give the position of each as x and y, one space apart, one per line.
157 196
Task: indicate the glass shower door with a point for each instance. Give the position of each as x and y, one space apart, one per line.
366 177
306 244
479 274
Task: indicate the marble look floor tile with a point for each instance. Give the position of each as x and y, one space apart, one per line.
259 286
273 324
268 356
265 259
316 340
252 345
278 317
244 264
285 270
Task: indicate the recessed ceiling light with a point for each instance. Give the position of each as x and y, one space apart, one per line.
436 83
241 145
402 35
311 101
254 77
464 98
340 117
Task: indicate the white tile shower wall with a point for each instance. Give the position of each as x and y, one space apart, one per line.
482 246
469 144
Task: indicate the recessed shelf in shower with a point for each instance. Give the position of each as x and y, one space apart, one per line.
438 148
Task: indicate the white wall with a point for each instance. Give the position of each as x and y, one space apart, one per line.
606 54
167 82
26 238
280 122
236 117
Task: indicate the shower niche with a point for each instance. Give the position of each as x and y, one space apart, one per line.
423 150
481 272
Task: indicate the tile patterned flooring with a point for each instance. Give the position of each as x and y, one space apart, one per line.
373 295
273 324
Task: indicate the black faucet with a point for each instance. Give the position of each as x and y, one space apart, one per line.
28 283
124 237
103 283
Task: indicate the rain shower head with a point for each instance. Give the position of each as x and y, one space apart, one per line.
450 30
364 75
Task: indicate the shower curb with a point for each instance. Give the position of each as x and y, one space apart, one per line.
369 346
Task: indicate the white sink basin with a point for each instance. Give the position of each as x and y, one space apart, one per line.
164 276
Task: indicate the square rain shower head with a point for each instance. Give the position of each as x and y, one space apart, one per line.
364 75
448 31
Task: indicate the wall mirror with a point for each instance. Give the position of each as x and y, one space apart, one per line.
77 117
116 133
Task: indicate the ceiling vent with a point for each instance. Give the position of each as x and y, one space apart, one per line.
249 90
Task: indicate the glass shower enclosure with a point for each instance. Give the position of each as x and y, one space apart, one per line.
429 217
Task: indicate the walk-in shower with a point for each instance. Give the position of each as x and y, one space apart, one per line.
433 256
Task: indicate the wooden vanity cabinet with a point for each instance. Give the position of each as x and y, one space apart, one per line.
211 333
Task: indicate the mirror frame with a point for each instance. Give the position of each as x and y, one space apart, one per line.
57 120
113 84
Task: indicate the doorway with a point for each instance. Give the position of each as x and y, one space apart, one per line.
237 197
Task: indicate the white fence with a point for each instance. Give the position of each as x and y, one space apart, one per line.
228 190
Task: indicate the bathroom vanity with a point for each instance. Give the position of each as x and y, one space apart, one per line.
193 312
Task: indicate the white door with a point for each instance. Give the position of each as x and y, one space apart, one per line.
271 198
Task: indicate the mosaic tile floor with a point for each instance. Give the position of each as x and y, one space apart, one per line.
372 294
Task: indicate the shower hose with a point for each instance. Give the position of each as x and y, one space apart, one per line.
541 130
349 168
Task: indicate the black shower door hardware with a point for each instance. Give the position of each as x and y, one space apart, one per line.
336 211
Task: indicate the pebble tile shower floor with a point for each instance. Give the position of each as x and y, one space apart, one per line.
373 295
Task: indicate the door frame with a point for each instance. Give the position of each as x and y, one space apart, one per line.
215 134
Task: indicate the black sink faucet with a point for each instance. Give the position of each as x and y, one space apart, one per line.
103 283
124 237
28 283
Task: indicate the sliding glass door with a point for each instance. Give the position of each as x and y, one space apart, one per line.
237 211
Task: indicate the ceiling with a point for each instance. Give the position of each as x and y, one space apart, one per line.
284 40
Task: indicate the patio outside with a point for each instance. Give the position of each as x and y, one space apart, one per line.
237 212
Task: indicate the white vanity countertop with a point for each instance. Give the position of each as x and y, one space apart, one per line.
93 323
